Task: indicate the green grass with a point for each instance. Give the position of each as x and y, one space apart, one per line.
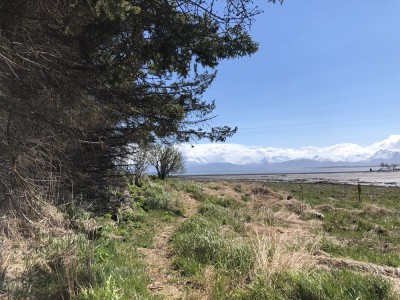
109 267
224 201
212 250
123 270
119 273
369 231
154 196
238 188
341 195
226 211
362 251
353 224
195 189
209 239
201 242
216 212
321 285
373 238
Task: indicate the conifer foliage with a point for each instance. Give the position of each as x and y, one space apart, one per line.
82 80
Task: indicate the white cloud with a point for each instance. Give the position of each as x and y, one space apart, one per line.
240 154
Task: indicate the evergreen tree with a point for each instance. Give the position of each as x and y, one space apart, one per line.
82 80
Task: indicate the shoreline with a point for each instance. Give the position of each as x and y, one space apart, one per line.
374 178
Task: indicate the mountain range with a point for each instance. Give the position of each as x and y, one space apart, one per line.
280 165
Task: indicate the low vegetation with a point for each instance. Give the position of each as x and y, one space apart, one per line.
178 239
367 231
99 258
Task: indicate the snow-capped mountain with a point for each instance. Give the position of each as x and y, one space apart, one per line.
297 165
237 158
385 156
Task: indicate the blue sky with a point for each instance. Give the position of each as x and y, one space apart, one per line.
327 72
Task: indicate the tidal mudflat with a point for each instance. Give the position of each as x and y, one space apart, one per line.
365 178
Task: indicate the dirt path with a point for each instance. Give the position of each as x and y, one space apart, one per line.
158 260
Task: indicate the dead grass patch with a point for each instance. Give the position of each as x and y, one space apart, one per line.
377 210
261 191
21 240
293 205
288 217
276 252
325 207
225 189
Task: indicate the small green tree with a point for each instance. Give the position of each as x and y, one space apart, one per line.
167 160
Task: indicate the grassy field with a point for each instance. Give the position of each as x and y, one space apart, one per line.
368 230
179 239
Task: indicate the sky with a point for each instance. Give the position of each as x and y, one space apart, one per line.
327 73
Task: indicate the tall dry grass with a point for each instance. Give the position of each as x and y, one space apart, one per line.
275 252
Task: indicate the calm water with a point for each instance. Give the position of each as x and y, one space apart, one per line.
391 178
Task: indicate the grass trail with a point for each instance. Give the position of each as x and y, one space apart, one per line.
178 239
157 258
